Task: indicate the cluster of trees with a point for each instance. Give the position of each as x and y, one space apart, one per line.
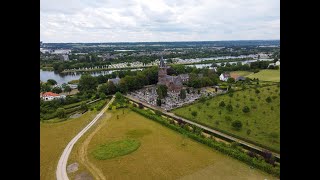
254 66
87 83
48 86
119 101
49 109
130 80
197 81
199 77
232 67
259 65
61 107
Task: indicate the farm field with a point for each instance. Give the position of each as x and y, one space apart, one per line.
267 75
260 125
162 153
53 139
241 73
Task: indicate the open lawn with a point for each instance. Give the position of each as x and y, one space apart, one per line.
162 154
115 149
267 75
53 139
241 73
260 125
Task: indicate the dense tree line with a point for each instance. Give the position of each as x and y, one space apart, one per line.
245 67
129 81
91 59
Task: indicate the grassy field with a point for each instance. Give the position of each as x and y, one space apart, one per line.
53 139
241 73
267 75
163 153
260 125
115 149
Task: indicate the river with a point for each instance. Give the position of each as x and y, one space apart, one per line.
209 65
66 77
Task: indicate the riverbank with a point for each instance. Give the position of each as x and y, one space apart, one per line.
103 69
230 60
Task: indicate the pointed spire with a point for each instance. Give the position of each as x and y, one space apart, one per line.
162 64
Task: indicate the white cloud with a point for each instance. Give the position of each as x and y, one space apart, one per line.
158 20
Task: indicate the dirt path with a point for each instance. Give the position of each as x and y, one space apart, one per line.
83 152
61 172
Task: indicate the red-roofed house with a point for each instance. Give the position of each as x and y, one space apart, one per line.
48 96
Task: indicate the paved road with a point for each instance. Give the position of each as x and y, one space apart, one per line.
249 145
61 172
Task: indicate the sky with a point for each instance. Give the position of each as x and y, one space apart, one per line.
63 21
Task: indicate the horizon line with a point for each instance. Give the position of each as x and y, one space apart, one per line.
158 41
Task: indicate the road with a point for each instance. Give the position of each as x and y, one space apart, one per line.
61 172
244 143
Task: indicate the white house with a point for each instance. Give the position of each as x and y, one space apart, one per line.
49 96
274 64
115 81
224 76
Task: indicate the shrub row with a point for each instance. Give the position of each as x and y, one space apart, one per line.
100 105
71 110
74 104
47 116
258 163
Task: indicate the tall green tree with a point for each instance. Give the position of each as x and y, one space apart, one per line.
229 107
57 90
84 106
162 91
214 65
67 89
51 82
183 94
61 113
230 80
158 102
45 87
246 109
101 79
87 83
194 113
111 88
103 89
237 125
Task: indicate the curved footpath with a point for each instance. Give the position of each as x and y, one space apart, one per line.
61 172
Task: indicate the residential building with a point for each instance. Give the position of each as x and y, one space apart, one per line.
49 96
115 81
224 76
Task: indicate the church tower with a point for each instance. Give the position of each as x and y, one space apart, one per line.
162 73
